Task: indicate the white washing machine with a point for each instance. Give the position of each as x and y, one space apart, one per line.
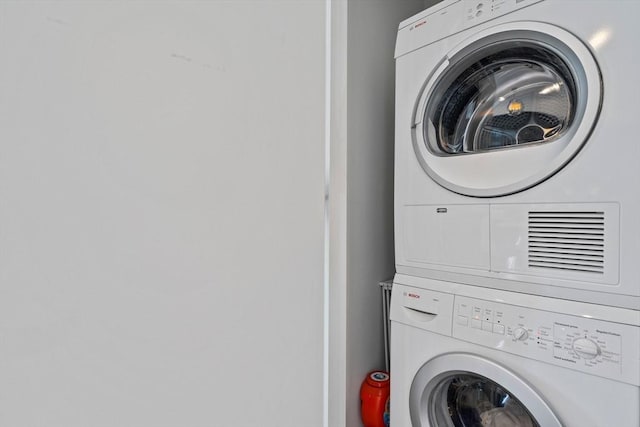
465 356
517 155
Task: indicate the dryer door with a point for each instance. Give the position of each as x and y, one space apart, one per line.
508 107
464 390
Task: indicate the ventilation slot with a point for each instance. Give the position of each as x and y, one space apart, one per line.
571 241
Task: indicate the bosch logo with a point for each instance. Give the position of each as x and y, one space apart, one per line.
419 24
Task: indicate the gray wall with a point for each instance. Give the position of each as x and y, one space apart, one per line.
161 225
363 81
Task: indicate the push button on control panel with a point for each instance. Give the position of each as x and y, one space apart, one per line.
464 310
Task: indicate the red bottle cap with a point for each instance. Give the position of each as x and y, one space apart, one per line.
378 379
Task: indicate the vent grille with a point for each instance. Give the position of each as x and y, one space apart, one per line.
570 241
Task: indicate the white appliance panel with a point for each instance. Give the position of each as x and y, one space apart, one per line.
453 235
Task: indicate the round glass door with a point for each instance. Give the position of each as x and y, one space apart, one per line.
466 390
470 400
504 96
506 109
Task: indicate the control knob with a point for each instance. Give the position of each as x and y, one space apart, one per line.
520 334
586 348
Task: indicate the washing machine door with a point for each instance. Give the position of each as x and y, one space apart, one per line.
506 109
465 390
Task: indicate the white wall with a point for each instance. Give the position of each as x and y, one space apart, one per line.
161 226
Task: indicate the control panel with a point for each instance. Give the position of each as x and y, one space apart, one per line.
481 10
447 18
601 348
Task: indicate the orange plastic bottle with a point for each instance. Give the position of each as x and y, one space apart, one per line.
374 398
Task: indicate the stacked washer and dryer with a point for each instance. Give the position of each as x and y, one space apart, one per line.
517 215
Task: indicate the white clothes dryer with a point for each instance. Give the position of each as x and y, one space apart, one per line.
463 356
517 165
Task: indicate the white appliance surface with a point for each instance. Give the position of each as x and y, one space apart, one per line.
568 364
554 216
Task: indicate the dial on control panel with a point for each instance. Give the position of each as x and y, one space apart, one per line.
520 334
586 348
